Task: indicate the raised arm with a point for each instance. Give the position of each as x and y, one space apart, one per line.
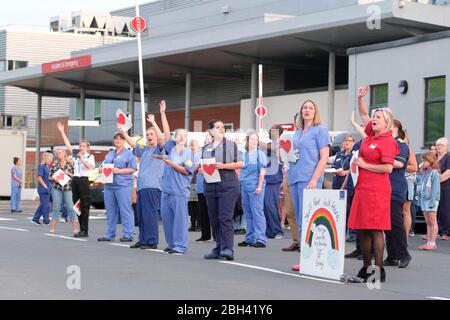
130 141
357 126
159 135
165 123
62 131
362 91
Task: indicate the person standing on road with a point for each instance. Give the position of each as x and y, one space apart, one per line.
253 188
150 175
60 192
311 143
339 160
118 194
443 156
84 165
221 196
16 185
429 193
370 212
44 190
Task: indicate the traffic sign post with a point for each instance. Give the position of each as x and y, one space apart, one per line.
138 24
261 112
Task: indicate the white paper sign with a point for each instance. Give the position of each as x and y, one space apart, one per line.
323 233
77 208
107 173
61 177
123 122
354 171
210 173
286 146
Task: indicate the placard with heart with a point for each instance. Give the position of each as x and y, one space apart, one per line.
61 177
107 173
123 122
77 208
287 153
210 172
354 167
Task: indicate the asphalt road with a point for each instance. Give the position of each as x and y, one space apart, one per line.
34 265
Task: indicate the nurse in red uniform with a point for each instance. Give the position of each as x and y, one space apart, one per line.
370 212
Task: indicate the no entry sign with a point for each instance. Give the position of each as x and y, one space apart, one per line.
138 24
261 111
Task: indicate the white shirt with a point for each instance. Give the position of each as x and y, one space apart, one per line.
80 170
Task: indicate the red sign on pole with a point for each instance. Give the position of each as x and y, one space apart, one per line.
138 24
261 111
67 64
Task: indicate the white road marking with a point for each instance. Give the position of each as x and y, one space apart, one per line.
64 237
7 219
438 298
155 250
126 245
278 272
97 218
15 229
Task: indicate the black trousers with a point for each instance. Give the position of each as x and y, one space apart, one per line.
204 218
81 191
396 241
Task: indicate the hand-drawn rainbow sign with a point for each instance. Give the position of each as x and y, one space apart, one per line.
323 233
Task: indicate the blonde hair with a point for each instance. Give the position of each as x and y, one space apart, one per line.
387 116
195 145
47 156
56 151
443 141
87 144
316 121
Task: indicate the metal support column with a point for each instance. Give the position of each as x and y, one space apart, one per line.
331 89
187 118
83 111
131 101
254 95
38 132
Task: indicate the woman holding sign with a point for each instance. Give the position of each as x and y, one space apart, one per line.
84 164
370 212
223 157
311 144
60 175
118 193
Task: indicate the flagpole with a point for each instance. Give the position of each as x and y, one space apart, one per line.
141 77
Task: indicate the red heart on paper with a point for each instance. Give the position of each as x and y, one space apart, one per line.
60 176
121 119
286 145
354 167
209 168
78 205
107 171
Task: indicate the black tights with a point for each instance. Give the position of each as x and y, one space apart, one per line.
365 238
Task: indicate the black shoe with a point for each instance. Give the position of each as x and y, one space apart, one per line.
36 222
81 234
192 229
124 239
240 231
244 244
19 211
362 273
226 256
167 249
103 239
367 276
295 246
175 252
353 254
203 239
390 263
136 245
149 246
259 245
382 275
403 263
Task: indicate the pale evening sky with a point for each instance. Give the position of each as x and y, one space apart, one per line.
38 13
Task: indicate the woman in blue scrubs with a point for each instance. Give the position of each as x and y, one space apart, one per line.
118 194
253 187
44 189
179 166
311 144
221 196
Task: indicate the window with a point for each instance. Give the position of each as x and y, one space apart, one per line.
12 64
98 110
434 109
8 121
228 127
378 96
77 109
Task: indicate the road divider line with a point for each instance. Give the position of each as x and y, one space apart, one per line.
15 229
155 250
64 237
278 272
7 219
128 246
438 298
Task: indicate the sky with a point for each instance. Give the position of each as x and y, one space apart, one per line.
38 12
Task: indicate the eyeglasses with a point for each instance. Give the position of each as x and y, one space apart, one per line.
350 140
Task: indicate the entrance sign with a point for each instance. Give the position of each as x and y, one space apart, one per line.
323 233
66 64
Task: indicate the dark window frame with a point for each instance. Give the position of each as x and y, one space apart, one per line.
374 106
430 101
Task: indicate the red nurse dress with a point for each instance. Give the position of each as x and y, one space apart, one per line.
371 204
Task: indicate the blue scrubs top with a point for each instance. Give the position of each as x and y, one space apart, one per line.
44 173
199 178
19 173
346 166
227 152
175 182
399 185
125 159
308 144
253 163
274 172
150 169
338 163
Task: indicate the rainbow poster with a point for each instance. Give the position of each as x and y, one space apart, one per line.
323 233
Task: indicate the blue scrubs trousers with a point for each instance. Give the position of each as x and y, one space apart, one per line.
148 203
271 210
44 208
119 200
253 206
174 213
297 199
15 198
